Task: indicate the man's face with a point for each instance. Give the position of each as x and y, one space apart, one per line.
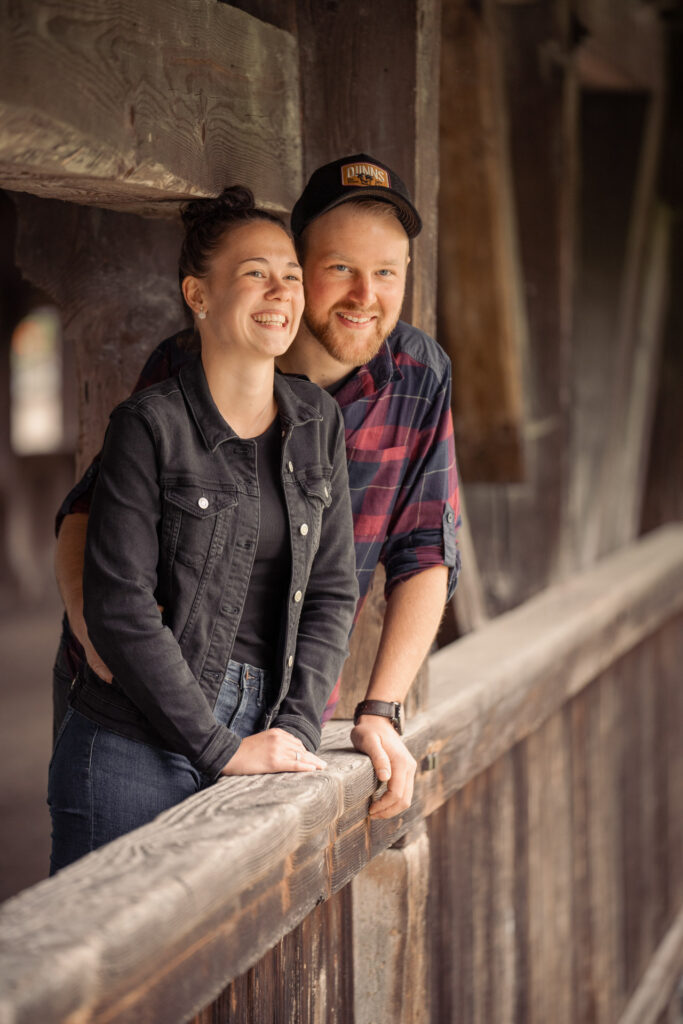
355 267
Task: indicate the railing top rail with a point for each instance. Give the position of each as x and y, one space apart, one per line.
153 926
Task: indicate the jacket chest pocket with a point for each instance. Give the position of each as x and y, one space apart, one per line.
316 494
195 522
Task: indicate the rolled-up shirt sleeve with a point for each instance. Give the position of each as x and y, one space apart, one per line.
120 606
426 515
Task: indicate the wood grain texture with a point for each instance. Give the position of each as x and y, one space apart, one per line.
550 875
390 934
657 991
114 278
142 105
481 315
517 529
161 920
385 103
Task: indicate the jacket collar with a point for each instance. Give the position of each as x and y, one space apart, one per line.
292 409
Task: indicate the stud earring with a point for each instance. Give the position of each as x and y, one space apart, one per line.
202 314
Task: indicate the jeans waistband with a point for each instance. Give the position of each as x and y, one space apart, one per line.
248 675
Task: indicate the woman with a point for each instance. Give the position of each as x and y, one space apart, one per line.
219 582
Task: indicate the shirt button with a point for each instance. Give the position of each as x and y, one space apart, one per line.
298 596
450 517
290 661
290 467
203 502
303 529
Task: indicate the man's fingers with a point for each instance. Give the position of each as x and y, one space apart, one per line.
381 762
399 792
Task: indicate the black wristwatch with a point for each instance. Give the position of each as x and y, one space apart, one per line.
391 709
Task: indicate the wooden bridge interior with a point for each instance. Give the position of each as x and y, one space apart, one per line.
538 876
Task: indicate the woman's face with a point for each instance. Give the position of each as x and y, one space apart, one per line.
252 294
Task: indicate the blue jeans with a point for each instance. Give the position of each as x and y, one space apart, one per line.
102 785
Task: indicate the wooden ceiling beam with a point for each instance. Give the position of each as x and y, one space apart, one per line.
138 106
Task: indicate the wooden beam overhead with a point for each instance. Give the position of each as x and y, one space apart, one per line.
138 106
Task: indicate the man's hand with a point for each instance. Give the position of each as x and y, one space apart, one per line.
274 750
69 555
392 761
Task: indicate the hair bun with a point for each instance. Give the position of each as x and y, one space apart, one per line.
237 197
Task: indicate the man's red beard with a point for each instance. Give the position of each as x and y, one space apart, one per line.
339 343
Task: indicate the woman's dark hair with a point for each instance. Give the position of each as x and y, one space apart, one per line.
207 221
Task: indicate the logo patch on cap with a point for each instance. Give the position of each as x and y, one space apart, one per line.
364 174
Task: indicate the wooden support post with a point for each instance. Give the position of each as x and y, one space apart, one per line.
516 528
390 966
113 277
481 316
342 71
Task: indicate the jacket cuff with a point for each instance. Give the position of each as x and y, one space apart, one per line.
299 727
216 755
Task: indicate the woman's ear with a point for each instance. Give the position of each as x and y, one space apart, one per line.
193 293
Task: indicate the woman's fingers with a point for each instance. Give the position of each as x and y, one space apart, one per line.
272 751
301 760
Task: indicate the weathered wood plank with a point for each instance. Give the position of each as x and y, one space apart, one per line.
502 971
550 874
405 79
161 920
481 316
142 105
663 490
390 965
517 529
657 986
578 627
605 896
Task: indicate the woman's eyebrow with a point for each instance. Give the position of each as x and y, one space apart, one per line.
262 259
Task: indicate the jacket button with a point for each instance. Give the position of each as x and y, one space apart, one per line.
203 502
298 596
290 661
303 529
290 467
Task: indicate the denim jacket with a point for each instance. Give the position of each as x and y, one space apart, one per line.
174 523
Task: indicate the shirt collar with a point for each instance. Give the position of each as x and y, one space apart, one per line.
292 409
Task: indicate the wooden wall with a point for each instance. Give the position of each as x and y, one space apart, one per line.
555 257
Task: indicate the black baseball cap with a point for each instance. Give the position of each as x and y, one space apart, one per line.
352 177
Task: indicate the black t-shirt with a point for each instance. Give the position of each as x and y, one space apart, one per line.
258 634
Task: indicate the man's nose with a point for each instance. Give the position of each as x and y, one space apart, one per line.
363 290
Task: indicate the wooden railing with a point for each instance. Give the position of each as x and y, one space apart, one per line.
538 876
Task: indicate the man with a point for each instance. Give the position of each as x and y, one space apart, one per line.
352 225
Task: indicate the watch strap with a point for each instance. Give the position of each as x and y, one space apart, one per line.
390 709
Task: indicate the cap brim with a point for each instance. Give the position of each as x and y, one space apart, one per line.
408 215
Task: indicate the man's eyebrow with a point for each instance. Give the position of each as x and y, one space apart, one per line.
340 258
262 259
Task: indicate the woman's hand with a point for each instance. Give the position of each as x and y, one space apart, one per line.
274 750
